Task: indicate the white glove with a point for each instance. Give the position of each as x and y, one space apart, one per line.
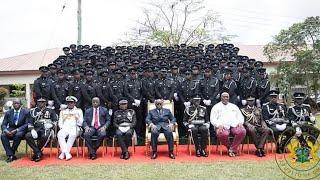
175 95
48 125
218 96
281 127
298 131
312 119
63 107
258 102
243 102
137 102
238 97
110 112
187 104
207 125
191 126
34 134
208 102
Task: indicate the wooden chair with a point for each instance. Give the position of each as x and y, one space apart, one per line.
169 105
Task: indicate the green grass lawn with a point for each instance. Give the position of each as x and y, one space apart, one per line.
214 170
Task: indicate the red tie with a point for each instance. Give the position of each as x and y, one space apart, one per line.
96 119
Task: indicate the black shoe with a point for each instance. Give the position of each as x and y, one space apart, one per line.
38 158
94 156
33 157
9 159
262 152
126 155
203 153
122 156
198 153
154 155
259 153
171 155
279 150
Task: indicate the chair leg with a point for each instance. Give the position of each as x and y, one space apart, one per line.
209 145
113 146
248 141
103 146
50 148
78 144
189 146
83 148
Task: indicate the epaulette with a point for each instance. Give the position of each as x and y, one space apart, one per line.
307 105
265 104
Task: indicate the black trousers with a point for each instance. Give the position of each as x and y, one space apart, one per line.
154 138
259 135
11 149
94 139
200 136
41 140
124 139
284 138
140 125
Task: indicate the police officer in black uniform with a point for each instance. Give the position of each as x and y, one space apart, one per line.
88 89
247 84
40 127
189 88
42 85
209 89
163 86
59 91
133 92
117 88
75 88
302 119
196 120
124 121
104 90
263 87
230 86
275 115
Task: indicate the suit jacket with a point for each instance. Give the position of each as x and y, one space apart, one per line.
8 122
104 117
161 120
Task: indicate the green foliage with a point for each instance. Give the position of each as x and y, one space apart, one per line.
3 93
18 90
300 42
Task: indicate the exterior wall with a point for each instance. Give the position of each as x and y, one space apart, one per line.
20 79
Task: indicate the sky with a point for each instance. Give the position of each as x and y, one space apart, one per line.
33 25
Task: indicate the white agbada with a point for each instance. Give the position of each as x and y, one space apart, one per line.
226 115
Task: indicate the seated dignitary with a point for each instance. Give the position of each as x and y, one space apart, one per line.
40 126
124 121
14 126
161 120
70 121
95 123
301 118
274 114
255 125
196 119
227 119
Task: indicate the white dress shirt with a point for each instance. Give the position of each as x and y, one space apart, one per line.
226 115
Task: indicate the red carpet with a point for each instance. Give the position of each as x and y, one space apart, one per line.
140 157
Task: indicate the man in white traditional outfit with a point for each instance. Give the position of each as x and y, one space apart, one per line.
228 119
70 121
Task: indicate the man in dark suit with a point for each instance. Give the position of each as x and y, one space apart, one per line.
96 121
161 120
14 127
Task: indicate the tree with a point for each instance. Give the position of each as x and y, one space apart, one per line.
301 42
170 22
